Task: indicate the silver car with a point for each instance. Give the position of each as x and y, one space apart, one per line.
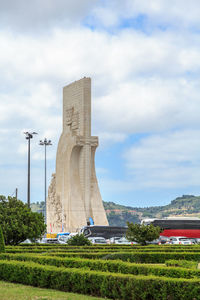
97 240
123 241
180 240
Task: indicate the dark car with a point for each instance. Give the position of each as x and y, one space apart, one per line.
163 240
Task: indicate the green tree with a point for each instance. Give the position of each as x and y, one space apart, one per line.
141 233
79 240
2 244
18 222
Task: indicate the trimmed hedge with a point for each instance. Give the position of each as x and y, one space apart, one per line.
115 286
57 249
153 257
2 243
38 248
109 246
182 263
110 266
139 257
15 250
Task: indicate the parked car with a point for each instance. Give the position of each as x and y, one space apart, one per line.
194 240
114 239
180 240
97 240
50 241
163 240
124 241
27 241
154 242
63 239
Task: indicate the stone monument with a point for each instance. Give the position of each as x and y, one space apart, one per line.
73 196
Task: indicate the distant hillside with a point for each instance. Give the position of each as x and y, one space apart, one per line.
118 215
187 206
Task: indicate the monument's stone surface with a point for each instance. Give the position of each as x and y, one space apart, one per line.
73 195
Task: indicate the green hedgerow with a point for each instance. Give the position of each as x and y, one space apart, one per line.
2 244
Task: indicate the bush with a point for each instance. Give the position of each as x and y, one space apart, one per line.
182 263
2 244
79 240
151 257
114 266
141 233
110 285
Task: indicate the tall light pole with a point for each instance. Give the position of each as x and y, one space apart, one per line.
29 136
45 143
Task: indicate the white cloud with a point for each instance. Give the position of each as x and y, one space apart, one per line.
141 83
179 13
41 15
165 160
149 105
136 87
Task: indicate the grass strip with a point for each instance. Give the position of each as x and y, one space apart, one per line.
13 291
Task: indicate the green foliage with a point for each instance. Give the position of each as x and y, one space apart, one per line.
114 266
182 263
2 243
146 257
123 272
141 233
104 284
79 240
18 222
116 219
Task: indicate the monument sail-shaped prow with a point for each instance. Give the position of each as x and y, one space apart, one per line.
74 195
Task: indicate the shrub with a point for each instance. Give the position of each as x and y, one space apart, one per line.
79 240
2 244
110 285
141 233
113 266
182 263
151 257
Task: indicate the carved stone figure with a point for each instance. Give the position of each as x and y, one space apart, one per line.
73 195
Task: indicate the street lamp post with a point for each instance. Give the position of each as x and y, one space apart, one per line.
29 136
45 143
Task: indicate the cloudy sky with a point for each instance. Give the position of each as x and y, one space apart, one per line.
144 61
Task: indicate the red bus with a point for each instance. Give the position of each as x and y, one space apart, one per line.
182 226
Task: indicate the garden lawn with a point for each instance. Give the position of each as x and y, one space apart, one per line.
14 291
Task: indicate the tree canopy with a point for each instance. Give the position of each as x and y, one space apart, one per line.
18 222
141 233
